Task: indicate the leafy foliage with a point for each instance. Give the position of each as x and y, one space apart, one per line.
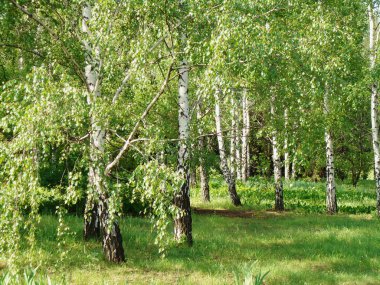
154 184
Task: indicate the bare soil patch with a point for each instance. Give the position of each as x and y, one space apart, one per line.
236 213
224 213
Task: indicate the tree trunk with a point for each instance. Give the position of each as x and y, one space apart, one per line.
286 147
294 167
279 195
205 189
183 222
238 146
91 216
374 103
193 177
97 220
111 235
245 134
331 203
233 139
248 132
222 153
92 223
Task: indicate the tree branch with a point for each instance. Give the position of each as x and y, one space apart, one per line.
21 48
133 132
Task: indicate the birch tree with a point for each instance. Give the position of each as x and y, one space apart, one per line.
203 171
286 147
279 195
245 138
98 198
234 138
373 46
331 203
229 178
183 223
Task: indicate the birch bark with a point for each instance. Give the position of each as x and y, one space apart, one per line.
233 165
245 134
183 222
222 153
91 218
238 145
205 189
331 203
248 131
373 40
286 147
294 167
279 195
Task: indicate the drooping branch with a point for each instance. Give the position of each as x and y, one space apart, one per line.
137 125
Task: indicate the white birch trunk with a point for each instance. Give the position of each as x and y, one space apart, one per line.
331 203
374 102
239 138
245 133
233 138
286 147
205 189
183 223
97 216
279 196
222 154
294 167
248 131
92 221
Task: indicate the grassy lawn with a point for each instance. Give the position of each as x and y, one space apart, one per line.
296 248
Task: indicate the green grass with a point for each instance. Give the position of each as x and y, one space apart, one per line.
299 196
295 247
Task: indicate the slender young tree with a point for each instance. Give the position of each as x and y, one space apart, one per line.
229 178
286 147
331 203
279 196
245 135
233 167
238 146
248 122
183 223
203 172
373 45
294 167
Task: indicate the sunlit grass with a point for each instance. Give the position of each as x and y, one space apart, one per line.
296 248
299 196
311 249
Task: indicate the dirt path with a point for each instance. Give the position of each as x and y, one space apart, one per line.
237 213
224 213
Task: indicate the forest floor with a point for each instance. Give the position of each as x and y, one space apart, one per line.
229 244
